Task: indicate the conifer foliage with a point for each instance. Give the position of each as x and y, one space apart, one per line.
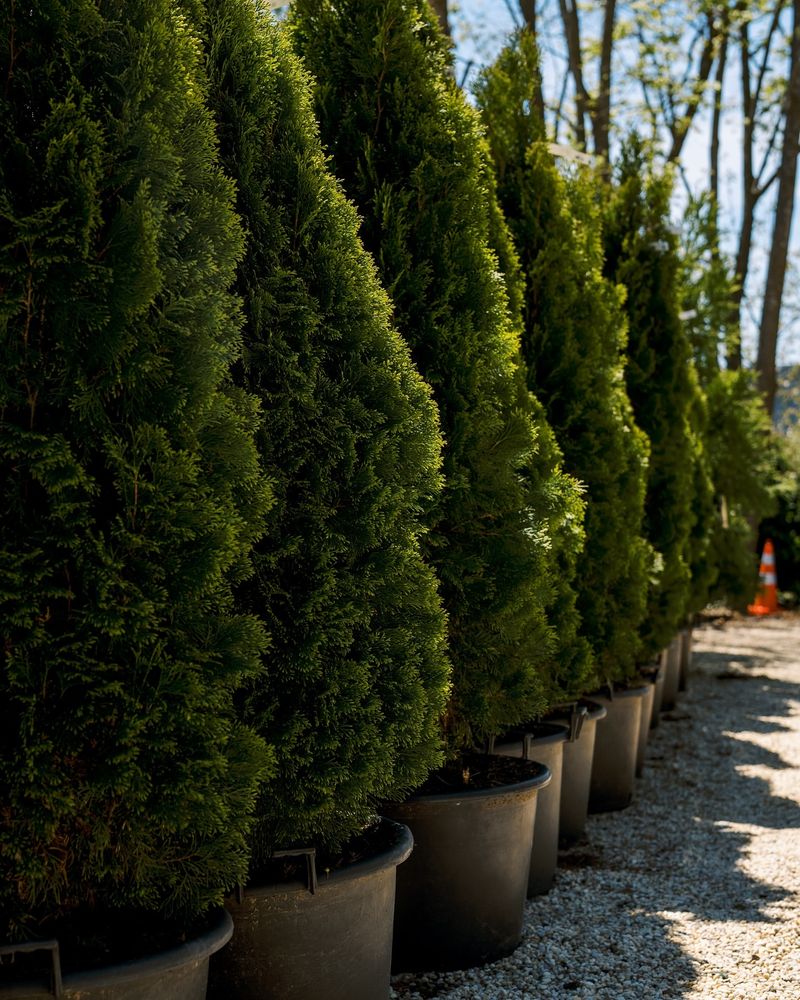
129 479
411 154
641 254
573 339
357 672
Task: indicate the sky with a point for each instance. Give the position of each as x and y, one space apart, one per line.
480 28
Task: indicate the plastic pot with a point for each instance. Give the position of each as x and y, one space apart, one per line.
581 718
329 941
179 973
542 742
671 659
461 897
658 693
615 749
650 675
686 658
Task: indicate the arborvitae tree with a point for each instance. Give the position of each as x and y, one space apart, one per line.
573 338
412 155
129 481
641 254
357 671
556 496
731 423
746 471
703 570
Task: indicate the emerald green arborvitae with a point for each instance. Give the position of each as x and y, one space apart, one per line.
357 673
412 155
641 254
129 481
573 339
555 495
735 431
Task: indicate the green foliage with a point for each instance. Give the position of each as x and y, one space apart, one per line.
731 431
745 463
411 154
357 670
574 335
641 254
703 568
783 526
129 480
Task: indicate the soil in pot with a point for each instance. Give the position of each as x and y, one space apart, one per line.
179 972
543 743
616 747
461 897
320 929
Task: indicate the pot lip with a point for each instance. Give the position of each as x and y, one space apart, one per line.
541 733
652 672
160 963
634 691
597 711
538 780
389 857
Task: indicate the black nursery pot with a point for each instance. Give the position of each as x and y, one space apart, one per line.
581 718
686 658
180 973
658 693
650 676
543 743
333 943
616 747
671 658
461 897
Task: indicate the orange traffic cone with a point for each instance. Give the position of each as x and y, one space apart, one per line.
767 597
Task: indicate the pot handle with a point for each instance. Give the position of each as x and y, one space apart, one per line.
576 721
57 986
310 854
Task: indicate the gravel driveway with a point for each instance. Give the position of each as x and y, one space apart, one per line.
694 891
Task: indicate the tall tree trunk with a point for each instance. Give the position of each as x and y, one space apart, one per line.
602 106
440 9
784 209
748 197
528 9
716 117
572 33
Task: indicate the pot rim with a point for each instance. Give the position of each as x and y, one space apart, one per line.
160 963
635 691
534 783
596 710
549 732
389 857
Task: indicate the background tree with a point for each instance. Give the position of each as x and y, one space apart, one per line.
349 438
129 482
573 341
411 154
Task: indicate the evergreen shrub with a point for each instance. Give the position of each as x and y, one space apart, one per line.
130 487
641 254
357 674
733 426
573 342
411 154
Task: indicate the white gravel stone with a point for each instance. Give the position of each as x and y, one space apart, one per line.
693 892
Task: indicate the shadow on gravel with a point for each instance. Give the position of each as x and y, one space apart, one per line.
612 926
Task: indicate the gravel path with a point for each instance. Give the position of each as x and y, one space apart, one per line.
693 891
